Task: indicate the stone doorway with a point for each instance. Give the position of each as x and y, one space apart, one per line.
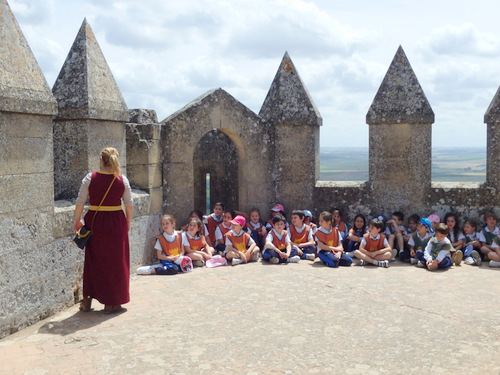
215 167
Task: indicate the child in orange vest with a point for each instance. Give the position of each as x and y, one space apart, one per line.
278 248
240 247
329 240
374 247
169 252
301 236
341 226
194 243
199 215
213 221
221 230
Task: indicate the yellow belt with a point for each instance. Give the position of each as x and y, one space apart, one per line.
105 208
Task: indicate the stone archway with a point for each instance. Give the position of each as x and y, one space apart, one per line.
216 157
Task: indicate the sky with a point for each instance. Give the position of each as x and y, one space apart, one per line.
166 53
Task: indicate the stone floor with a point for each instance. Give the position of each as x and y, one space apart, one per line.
278 319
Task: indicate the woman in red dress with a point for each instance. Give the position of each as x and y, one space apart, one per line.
106 270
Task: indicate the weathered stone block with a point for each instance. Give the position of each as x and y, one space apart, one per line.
145 176
156 198
30 192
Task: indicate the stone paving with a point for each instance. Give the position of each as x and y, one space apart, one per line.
300 318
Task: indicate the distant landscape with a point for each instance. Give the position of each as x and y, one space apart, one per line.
448 164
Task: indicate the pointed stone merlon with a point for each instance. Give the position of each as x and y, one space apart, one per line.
85 87
92 114
27 107
23 87
288 101
400 98
492 119
400 120
290 109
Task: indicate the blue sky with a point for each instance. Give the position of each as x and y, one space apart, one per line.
165 53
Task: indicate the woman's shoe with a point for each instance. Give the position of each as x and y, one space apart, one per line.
112 309
85 304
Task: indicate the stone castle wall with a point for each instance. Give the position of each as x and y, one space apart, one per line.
49 139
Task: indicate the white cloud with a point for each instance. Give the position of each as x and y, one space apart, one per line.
463 40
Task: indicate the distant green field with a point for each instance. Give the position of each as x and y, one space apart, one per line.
448 164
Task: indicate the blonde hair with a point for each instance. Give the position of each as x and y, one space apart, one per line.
111 158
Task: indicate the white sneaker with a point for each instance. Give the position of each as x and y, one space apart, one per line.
198 263
294 259
236 261
413 261
274 260
350 254
144 270
470 261
477 258
494 263
383 263
310 256
362 262
255 258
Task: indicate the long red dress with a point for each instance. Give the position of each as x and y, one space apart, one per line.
106 272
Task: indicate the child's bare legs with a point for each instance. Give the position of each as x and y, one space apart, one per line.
252 252
209 250
199 255
400 241
494 255
230 255
486 250
367 257
391 240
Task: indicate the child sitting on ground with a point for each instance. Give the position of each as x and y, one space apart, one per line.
395 231
487 234
221 230
213 220
412 228
199 215
374 247
451 220
329 241
418 241
240 247
277 209
169 252
194 243
437 252
356 234
494 254
256 228
435 220
308 220
470 243
278 248
340 225
301 236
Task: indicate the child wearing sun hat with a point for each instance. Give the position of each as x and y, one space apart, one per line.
240 247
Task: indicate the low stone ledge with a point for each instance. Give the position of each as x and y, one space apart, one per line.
341 184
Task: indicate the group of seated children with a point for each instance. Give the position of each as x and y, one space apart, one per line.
233 237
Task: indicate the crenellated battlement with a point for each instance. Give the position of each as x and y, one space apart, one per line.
51 138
